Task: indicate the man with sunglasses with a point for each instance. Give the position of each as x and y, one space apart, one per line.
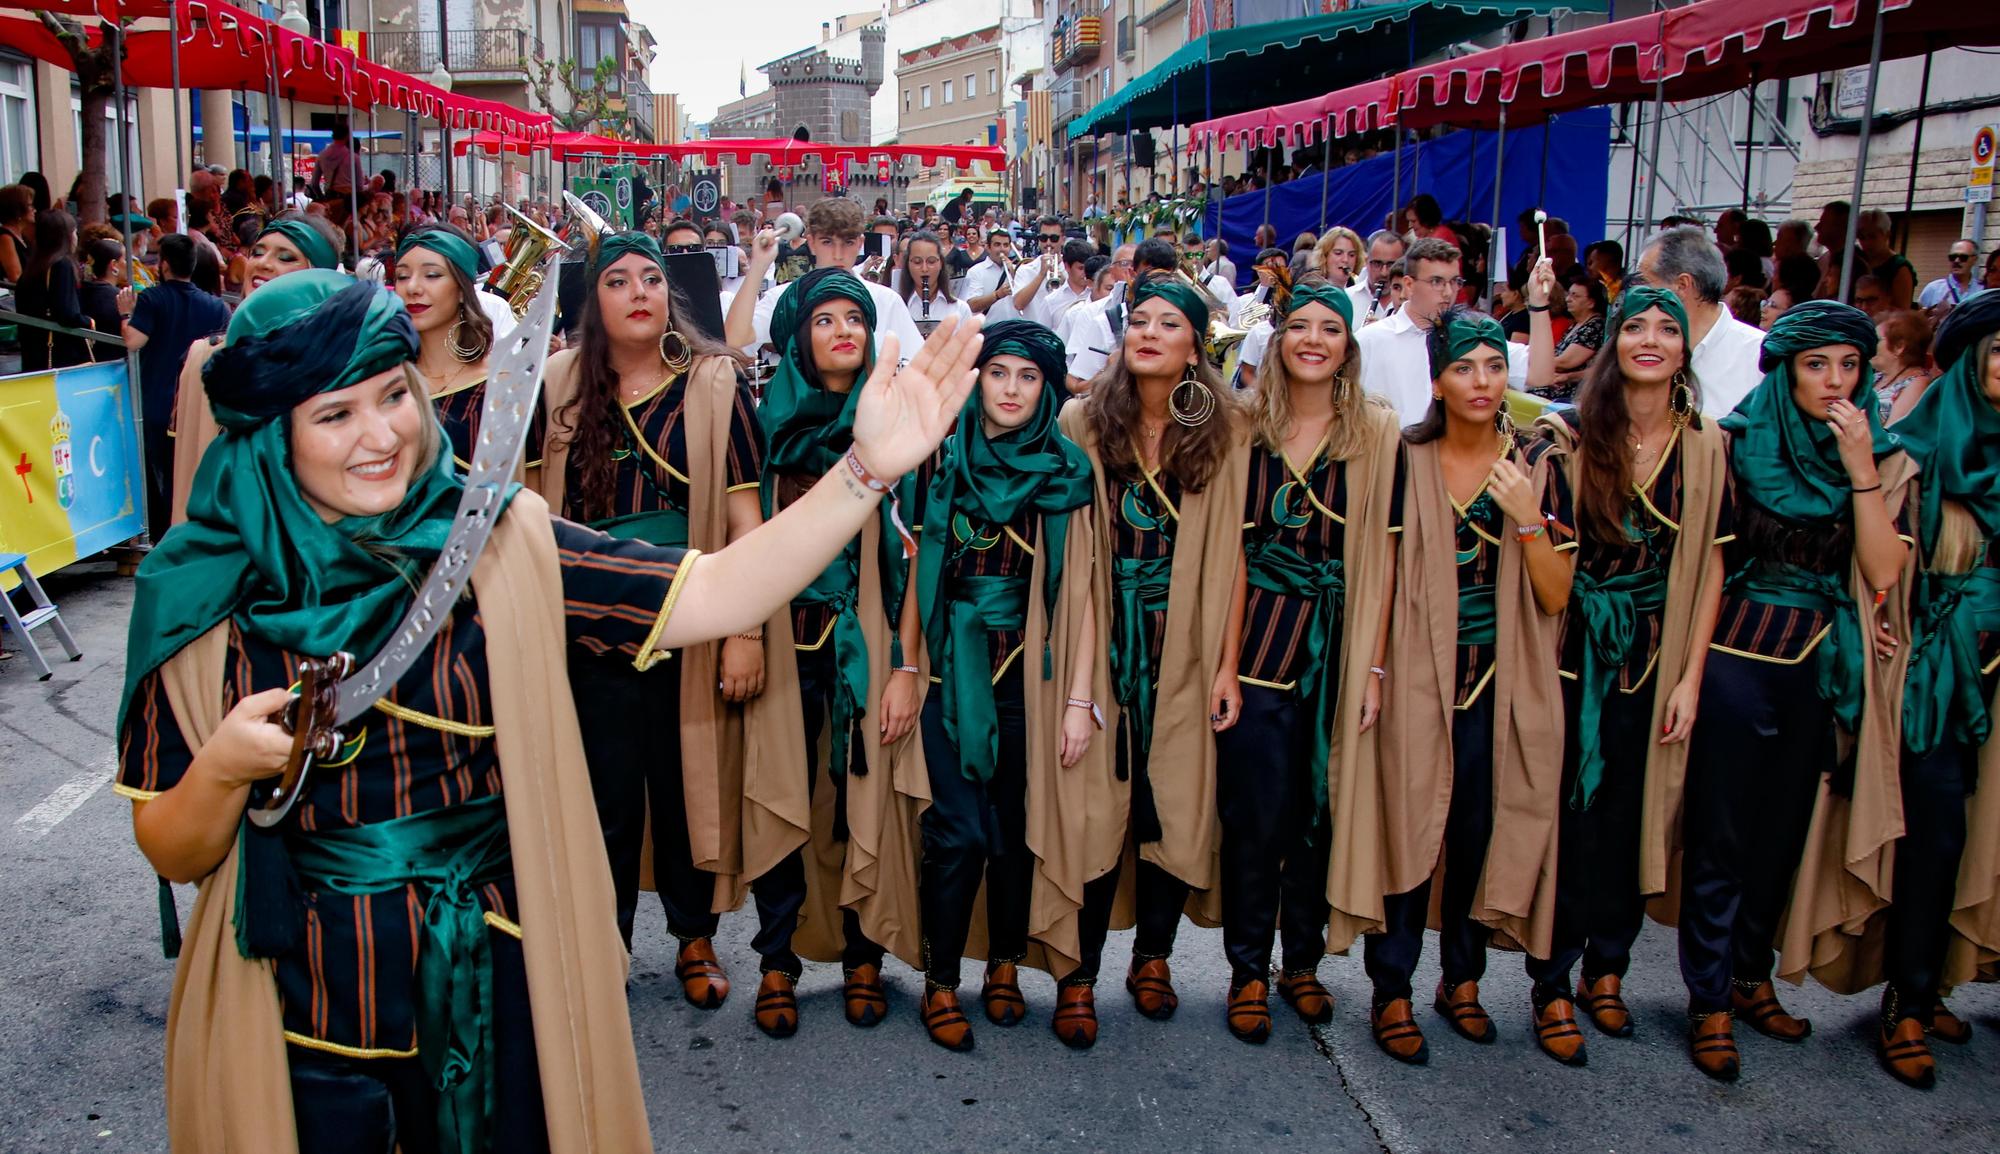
1957 284
1036 277
1395 361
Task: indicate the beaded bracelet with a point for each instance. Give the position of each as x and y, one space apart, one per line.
1096 714
877 484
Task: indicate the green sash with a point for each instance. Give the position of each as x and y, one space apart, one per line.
1609 612
1839 660
1138 587
655 526
838 587
1945 696
1279 568
1478 614
448 854
974 608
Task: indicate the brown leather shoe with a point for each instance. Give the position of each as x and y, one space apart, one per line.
702 980
1075 1019
1307 997
1396 1031
944 1020
1759 1006
777 1005
1151 984
1712 1045
1002 995
1907 1056
867 1005
1557 1033
1949 1027
1460 1006
1600 998
1249 1014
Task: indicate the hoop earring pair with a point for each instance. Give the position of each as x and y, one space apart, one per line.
675 351
1191 403
1680 403
463 353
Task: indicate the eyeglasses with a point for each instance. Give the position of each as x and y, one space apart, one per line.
1442 283
673 249
1958 256
1048 239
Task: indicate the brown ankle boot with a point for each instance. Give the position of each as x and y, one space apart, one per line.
1151 984
1460 1006
945 1021
1396 1031
1949 1027
867 1005
1307 997
1002 995
1906 1055
1603 1000
777 1005
1557 1033
702 980
1712 1045
1075 1019
1758 1005
1249 1014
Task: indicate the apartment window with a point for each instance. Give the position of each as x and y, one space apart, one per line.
947 92
992 80
927 95
971 87
114 177
17 120
906 100
595 42
1104 85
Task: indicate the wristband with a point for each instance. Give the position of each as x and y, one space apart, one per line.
1538 308
750 637
1875 488
1379 672
1096 714
877 484
906 669
1526 533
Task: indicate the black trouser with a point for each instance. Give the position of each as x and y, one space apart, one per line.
1935 787
159 480
1599 909
378 1105
1274 861
1391 956
1762 740
781 893
631 724
975 831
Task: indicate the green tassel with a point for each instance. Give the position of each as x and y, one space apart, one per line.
170 922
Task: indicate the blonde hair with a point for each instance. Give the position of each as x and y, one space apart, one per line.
1333 236
1271 403
1959 544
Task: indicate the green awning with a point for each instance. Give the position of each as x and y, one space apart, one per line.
1285 60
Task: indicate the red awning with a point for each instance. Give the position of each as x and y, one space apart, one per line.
782 151
1696 51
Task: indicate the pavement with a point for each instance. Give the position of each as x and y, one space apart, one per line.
83 1002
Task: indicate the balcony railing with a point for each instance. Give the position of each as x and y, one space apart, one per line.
1065 103
460 50
1075 39
639 107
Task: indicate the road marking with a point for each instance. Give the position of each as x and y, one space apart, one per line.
67 798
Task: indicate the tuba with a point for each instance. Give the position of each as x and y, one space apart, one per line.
519 277
593 227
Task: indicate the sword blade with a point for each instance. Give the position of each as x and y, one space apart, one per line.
513 389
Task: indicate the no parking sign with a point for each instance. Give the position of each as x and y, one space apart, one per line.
1979 186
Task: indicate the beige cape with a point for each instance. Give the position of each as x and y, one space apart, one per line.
1516 894
746 802
227 1083
194 425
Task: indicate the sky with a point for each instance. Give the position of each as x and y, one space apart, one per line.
700 55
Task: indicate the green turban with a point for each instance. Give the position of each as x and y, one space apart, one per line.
1179 294
306 239
1954 431
1639 298
270 361
1459 335
448 244
1321 292
1028 340
619 245
809 428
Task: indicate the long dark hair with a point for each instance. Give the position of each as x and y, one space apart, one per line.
944 270
1191 454
1437 343
1604 455
478 326
55 239
589 422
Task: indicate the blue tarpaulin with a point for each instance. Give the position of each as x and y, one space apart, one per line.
1572 185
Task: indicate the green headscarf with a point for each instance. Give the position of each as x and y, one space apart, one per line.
446 243
1785 461
1322 292
1179 294
1461 333
306 239
619 245
1639 298
1954 431
990 481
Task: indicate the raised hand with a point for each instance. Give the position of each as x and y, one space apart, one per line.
904 414
1855 440
1541 283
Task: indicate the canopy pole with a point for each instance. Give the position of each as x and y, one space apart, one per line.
1174 182
1653 148
180 135
1268 150
1499 171
271 118
243 98
1128 154
1542 188
122 127
1207 113
1637 128
1861 156
1916 149
1325 168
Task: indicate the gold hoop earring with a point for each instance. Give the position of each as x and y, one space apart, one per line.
1199 404
463 353
681 354
1680 404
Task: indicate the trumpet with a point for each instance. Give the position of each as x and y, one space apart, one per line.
1055 274
519 277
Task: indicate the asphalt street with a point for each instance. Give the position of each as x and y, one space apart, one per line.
83 1002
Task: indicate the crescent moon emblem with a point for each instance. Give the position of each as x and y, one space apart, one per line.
1282 510
96 470
1134 513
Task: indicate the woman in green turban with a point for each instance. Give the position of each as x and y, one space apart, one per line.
1647 478
436 274
1005 688
1168 458
1788 672
385 965
1317 519
1474 724
651 437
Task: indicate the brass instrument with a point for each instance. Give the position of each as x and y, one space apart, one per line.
519 277
1055 275
595 228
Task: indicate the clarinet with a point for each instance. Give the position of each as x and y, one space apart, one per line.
925 324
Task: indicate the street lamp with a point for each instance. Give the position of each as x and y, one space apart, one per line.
294 19
441 78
